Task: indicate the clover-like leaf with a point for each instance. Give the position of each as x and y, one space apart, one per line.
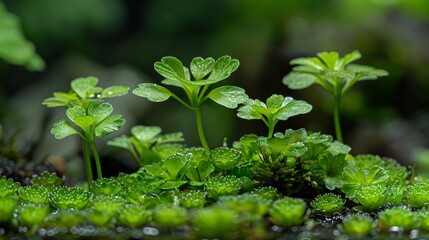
145 133
99 111
176 162
247 112
355 177
84 122
293 108
201 67
153 92
223 67
62 129
114 91
82 85
201 172
75 111
276 101
171 68
228 96
109 125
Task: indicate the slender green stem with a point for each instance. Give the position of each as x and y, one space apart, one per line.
337 103
201 130
88 166
97 160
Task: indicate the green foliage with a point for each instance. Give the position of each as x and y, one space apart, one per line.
215 223
205 72
108 204
192 199
132 215
35 193
417 196
89 113
250 207
14 48
357 225
167 216
397 217
222 185
147 145
266 193
275 109
69 198
65 218
47 179
335 74
8 187
287 211
107 186
98 218
32 214
7 208
355 177
327 204
224 158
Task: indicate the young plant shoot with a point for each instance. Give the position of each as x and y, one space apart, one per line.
275 109
336 75
90 115
205 72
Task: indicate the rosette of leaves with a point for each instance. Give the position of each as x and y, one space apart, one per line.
107 186
108 204
334 73
276 108
192 199
132 215
65 218
267 192
32 215
98 218
224 158
327 204
417 196
329 164
222 185
69 198
215 223
7 208
278 164
47 179
170 216
89 115
205 72
358 225
287 211
397 217
395 170
371 197
250 207
355 177
8 187
35 193
147 145
423 219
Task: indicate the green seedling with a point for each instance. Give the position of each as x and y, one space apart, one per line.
223 185
357 225
147 145
205 72
416 195
250 207
168 216
89 113
275 109
224 158
132 215
192 199
108 204
8 187
397 217
34 193
98 218
266 193
107 186
215 223
65 218
335 74
47 179
32 215
7 208
69 198
287 211
327 204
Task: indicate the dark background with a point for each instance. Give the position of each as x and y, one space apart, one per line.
118 41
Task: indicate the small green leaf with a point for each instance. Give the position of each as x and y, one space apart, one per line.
99 111
84 122
351 57
347 75
145 133
156 170
297 80
82 85
223 67
114 91
75 111
330 59
153 92
121 141
228 96
176 162
109 125
247 112
201 67
171 184
55 102
62 129
171 68
275 101
293 108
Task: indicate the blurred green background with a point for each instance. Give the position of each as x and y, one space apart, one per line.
118 41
